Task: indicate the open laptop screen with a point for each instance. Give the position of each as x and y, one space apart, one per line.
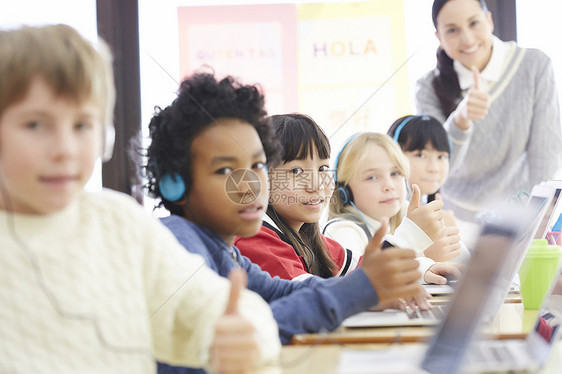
457 328
550 217
536 209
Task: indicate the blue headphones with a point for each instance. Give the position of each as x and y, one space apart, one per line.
408 119
344 192
172 186
401 126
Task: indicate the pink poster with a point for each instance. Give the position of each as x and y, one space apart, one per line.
255 43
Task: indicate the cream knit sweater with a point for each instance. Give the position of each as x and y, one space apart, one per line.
108 266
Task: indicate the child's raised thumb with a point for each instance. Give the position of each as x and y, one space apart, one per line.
238 279
375 244
415 201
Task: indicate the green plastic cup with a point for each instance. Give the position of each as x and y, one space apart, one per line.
537 270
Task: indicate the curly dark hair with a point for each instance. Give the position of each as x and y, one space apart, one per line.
201 100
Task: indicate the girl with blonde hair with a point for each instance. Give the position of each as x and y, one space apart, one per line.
371 186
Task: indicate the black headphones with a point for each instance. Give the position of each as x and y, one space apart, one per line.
344 192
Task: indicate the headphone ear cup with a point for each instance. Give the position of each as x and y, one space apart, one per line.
108 142
172 187
345 194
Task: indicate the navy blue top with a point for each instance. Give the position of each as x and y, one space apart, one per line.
309 306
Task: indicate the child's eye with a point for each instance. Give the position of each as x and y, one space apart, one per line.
296 171
33 125
226 170
396 174
258 165
372 177
82 126
452 30
474 23
419 154
444 156
323 168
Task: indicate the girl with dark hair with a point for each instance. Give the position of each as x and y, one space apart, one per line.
426 144
290 243
498 103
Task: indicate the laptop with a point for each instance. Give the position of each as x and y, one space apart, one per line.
535 210
552 193
554 210
527 355
447 352
550 217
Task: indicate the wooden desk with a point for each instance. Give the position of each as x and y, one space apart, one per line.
511 298
511 322
324 359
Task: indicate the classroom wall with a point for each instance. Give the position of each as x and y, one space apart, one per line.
160 52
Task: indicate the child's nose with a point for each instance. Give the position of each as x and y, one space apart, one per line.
432 164
389 184
64 144
313 182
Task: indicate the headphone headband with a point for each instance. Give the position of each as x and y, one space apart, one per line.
401 126
408 119
340 152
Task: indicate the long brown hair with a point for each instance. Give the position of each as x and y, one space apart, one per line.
300 138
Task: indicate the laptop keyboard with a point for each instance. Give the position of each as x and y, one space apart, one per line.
491 354
435 312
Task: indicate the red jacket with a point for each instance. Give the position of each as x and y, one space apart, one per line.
272 251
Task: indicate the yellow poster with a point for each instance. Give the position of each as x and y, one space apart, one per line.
352 66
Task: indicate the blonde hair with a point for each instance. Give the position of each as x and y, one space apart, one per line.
67 62
352 156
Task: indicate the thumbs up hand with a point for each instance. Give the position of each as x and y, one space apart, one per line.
238 279
428 217
474 106
393 272
235 346
446 248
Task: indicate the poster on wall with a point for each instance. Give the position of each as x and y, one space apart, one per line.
254 43
344 64
352 72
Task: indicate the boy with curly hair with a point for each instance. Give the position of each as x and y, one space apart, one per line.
207 166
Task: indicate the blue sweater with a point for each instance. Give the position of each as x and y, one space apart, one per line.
310 306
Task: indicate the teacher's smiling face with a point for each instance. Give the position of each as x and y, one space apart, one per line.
465 32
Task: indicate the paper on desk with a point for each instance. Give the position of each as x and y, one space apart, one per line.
397 359
438 289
